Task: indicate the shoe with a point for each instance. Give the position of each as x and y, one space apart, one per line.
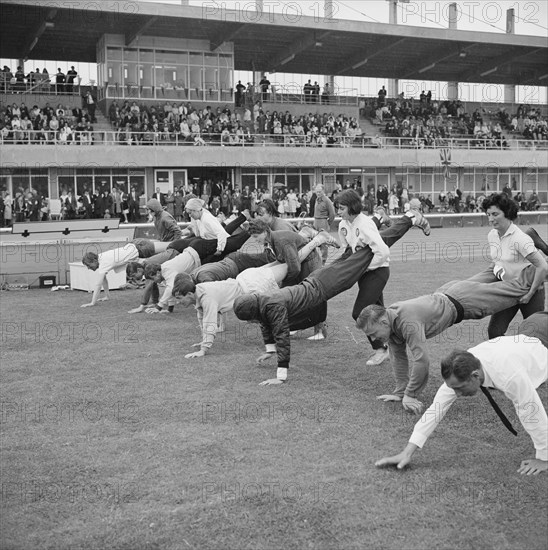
321 334
420 221
378 357
325 238
293 332
384 218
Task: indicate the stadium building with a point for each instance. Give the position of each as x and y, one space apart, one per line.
168 56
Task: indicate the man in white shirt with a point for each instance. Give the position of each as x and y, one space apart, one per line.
514 365
117 260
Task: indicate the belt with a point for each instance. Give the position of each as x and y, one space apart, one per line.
458 307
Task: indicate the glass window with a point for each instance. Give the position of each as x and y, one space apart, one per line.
114 53
210 59
262 181
66 184
249 180
40 185
102 184
121 182
130 54
146 56
196 59
84 183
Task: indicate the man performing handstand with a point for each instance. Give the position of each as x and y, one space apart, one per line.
304 305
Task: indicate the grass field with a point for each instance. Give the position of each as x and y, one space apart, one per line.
111 439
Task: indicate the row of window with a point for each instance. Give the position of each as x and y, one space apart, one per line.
419 180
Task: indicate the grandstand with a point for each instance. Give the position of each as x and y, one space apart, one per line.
165 82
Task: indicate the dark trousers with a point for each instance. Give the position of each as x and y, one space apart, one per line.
327 282
371 286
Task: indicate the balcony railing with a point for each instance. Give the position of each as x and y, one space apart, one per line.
129 138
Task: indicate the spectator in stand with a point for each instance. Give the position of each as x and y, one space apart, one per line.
90 104
60 80
533 203
264 84
71 75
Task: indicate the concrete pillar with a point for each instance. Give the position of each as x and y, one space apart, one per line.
393 84
328 13
452 87
510 89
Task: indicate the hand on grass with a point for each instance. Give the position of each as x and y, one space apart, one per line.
412 405
264 357
400 461
386 398
272 382
152 310
532 466
195 354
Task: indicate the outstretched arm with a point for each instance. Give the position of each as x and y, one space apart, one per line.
102 283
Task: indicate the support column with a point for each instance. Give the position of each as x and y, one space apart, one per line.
393 84
328 13
510 89
453 87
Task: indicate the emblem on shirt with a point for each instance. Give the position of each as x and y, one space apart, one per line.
344 231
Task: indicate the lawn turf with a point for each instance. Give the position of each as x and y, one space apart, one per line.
111 439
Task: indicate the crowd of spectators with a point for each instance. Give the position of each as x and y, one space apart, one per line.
40 81
142 124
222 198
429 122
45 125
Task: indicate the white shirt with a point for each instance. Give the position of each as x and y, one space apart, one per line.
217 297
186 262
515 365
209 227
117 258
363 232
509 251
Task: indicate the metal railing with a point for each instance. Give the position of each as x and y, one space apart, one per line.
151 138
43 86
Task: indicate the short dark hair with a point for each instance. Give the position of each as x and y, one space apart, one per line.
459 363
256 227
351 200
151 270
132 268
501 201
369 315
269 206
183 284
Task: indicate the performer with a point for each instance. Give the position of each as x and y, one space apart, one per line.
216 298
514 365
408 324
300 306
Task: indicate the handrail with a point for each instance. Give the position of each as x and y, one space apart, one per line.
114 137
